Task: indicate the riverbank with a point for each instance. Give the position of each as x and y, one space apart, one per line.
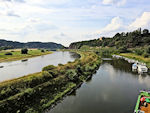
37 92
16 54
137 57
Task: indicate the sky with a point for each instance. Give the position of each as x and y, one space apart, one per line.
66 21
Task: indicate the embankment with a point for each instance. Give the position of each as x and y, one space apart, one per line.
36 92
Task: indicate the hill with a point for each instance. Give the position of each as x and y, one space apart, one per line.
4 44
133 39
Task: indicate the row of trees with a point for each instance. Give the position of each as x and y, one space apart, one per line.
133 39
23 51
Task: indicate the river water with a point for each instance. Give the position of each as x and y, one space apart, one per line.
113 89
16 69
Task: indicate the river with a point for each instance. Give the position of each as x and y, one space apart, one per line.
113 89
15 69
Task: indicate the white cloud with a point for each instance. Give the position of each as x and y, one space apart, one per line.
114 2
117 25
107 2
143 21
110 29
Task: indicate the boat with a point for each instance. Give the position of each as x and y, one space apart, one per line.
142 69
143 102
1 66
24 60
134 66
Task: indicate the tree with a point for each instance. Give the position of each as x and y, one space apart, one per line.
8 53
24 51
148 50
42 51
123 49
145 31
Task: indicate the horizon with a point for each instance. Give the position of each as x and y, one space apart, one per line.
67 21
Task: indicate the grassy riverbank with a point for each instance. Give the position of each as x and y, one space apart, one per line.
137 57
16 54
36 92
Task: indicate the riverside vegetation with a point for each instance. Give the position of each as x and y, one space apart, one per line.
135 45
36 92
15 54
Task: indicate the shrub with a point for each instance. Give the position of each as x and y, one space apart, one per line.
123 50
42 51
50 67
139 51
31 110
60 64
148 50
8 53
146 55
53 72
24 51
79 69
71 74
46 74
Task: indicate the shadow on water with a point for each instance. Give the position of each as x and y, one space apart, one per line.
113 89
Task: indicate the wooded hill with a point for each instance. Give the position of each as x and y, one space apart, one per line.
133 39
4 44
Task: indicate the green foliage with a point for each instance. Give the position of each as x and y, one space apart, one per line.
146 55
85 48
139 51
71 74
82 78
46 87
148 50
24 51
8 53
47 75
31 110
129 40
145 31
61 64
123 49
42 51
47 68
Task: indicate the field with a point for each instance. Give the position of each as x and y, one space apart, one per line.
16 54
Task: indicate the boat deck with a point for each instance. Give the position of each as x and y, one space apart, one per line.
146 109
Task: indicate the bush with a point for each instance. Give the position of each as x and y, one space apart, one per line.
139 51
53 72
148 50
123 50
60 65
24 51
8 53
71 74
42 51
50 67
46 74
31 110
146 55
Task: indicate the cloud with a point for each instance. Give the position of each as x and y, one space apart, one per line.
21 1
11 13
114 2
143 21
114 26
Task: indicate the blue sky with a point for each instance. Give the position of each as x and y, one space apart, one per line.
66 21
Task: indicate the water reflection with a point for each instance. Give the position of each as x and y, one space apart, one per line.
18 68
113 89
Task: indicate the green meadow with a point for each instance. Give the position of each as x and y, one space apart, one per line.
16 54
